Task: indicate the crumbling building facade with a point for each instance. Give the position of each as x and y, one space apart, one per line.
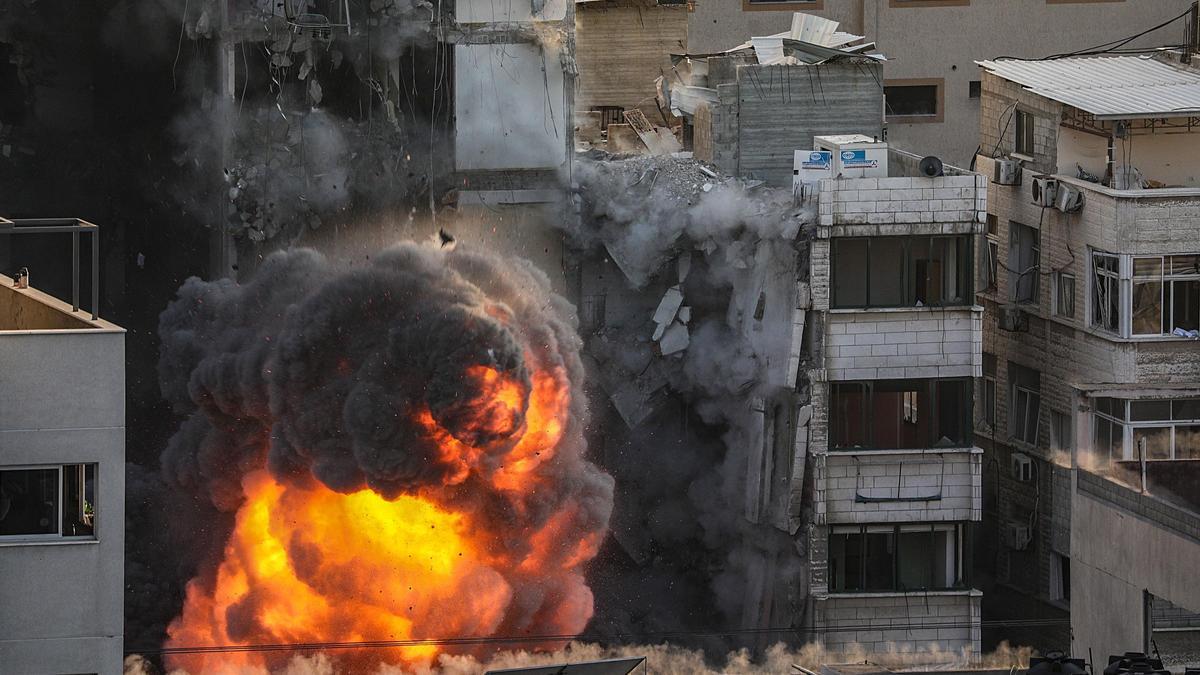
1091 282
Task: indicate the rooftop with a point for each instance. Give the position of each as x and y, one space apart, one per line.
1109 87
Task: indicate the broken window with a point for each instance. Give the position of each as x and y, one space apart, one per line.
1166 294
1064 294
48 501
901 271
1024 254
1158 429
901 414
1024 133
991 258
1106 293
1026 403
925 556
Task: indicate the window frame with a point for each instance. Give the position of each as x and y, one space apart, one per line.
964 272
867 430
1109 279
957 548
1034 272
1166 280
1128 426
1024 138
989 391
1057 296
939 84
60 509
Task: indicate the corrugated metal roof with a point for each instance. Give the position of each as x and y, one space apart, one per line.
1109 87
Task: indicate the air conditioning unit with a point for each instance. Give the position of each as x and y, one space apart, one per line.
1016 536
1044 189
1068 199
1022 467
1007 172
1013 319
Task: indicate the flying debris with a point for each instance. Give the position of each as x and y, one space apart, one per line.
445 237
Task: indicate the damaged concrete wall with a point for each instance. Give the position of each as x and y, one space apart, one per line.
781 108
622 47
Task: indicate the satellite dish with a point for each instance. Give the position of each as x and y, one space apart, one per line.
931 166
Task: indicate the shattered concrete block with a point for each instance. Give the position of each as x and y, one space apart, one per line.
669 306
674 339
685 314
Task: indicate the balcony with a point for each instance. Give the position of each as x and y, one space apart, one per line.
907 342
900 486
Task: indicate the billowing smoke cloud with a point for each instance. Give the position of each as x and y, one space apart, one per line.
452 377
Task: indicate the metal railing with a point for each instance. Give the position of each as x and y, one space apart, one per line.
74 226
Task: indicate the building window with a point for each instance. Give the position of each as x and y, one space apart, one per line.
1166 294
1024 141
47 502
1158 429
919 556
1064 294
1060 577
974 89
913 100
1025 403
1060 431
1106 291
1024 253
901 414
989 390
901 271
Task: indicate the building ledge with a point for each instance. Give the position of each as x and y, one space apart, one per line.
916 451
1147 193
964 593
886 310
10 543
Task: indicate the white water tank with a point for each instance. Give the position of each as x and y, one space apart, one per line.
855 155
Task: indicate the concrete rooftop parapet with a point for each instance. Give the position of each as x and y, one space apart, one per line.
30 310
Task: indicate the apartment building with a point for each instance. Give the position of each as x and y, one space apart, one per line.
1091 279
932 86
896 472
62 476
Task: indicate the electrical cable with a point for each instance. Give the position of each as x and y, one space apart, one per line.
1105 48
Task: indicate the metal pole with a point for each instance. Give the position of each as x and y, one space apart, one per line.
74 271
95 274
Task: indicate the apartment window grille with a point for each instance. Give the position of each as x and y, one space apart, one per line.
901 271
47 502
901 414
1024 133
910 557
1025 403
1064 295
1024 255
1158 429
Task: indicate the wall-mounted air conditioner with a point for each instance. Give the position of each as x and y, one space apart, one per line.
1016 536
1013 319
1068 199
1022 467
1044 189
1006 172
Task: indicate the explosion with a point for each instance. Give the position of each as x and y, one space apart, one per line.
402 447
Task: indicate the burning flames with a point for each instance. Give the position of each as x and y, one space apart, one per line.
309 565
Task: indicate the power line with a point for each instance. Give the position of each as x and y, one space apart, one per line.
1105 48
489 640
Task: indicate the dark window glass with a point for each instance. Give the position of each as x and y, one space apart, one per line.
974 89
887 272
79 500
1149 411
1185 409
28 501
911 100
1185 304
1024 254
849 272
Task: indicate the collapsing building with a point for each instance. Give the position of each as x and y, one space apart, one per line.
1091 278
835 342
